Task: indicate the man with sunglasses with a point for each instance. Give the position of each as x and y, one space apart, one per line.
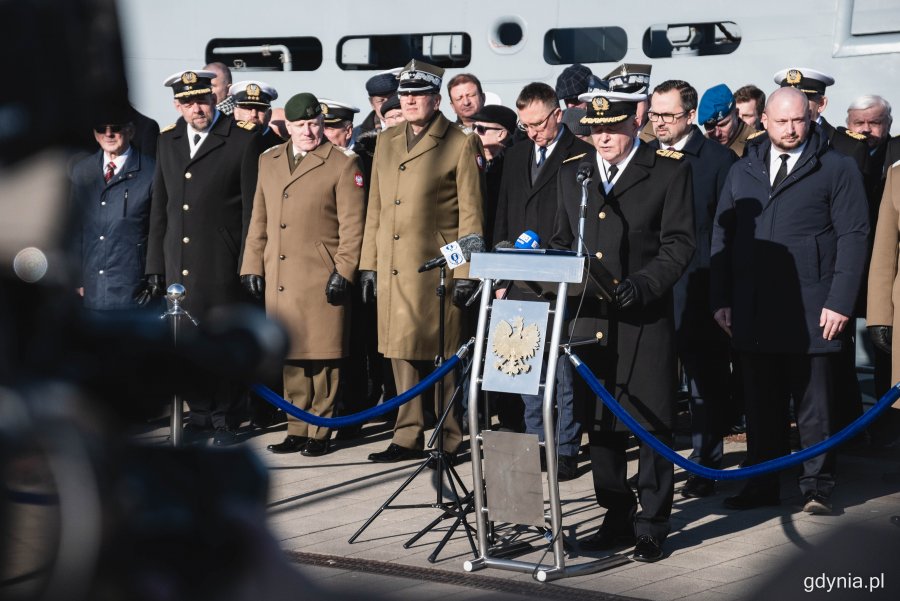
719 117
527 201
110 195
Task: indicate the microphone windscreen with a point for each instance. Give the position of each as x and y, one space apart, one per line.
585 169
471 243
528 239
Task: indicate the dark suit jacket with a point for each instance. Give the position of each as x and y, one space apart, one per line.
521 206
694 324
644 229
196 214
780 256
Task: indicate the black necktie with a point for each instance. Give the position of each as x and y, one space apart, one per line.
196 139
611 174
543 155
782 171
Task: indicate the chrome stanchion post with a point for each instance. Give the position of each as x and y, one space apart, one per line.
174 295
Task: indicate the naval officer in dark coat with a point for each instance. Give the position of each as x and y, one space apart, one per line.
196 215
640 226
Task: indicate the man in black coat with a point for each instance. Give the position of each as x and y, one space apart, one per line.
527 201
111 192
702 346
196 220
789 249
640 226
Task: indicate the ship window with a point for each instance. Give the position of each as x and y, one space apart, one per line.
691 39
266 54
378 52
585 45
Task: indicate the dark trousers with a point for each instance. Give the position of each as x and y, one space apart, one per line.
223 407
656 485
770 381
848 403
709 382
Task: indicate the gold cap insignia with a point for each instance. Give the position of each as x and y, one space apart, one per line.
253 90
312 112
188 77
793 77
324 109
600 104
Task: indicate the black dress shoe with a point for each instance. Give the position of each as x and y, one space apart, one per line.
816 503
566 468
647 549
224 437
315 448
752 500
290 444
697 487
605 539
395 453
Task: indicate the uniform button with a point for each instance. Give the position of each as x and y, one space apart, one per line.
281 257
599 335
285 195
185 239
101 272
402 167
102 203
599 255
602 215
396 236
185 207
187 175
281 289
283 225
185 272
102 238
393 272
396 202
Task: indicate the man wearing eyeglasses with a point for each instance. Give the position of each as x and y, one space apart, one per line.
640 226
527 201
110 195
719 117
427 190
702 346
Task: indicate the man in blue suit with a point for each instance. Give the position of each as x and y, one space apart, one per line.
111 192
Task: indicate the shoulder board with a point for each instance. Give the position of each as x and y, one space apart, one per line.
574 158
756 134
246 125
670 154
345 150
854 135
270 149
168 128
467 130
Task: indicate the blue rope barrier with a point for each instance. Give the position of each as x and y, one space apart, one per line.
765 467
363 416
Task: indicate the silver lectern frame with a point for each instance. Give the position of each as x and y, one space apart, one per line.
523 266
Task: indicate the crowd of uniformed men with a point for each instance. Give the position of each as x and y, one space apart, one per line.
740 233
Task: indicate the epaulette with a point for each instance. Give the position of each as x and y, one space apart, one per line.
466 130
169 128
346 151
855 135
248 125
670 154
574 158
755 134
271 148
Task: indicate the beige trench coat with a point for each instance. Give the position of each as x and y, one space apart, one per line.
305 225
418 202
884 285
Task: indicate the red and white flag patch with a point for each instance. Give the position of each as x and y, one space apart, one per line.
358 179
479 160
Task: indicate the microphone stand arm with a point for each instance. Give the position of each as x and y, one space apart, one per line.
582 215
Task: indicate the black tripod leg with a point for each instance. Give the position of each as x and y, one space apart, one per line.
386 504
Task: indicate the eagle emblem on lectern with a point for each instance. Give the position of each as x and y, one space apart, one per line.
514 344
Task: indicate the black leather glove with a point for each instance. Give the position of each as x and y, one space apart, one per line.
881 337
463 291
627 294
254 284
154 285
369 287
336 289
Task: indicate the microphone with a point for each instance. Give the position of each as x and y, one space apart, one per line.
468 244
528 239
585 170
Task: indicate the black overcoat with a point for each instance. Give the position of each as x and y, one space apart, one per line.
196 214
644 230
780 256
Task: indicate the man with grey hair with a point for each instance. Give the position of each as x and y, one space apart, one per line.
220 85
